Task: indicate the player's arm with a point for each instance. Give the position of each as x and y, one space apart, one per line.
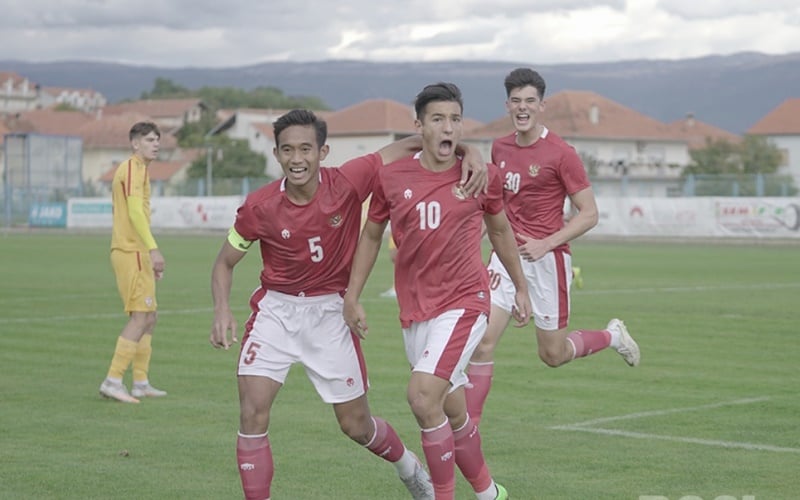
233 250
366 253
505 246
584 207
474 172
139 221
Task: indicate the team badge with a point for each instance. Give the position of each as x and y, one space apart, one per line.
533 170
407 194
502 164
285 234
335 220
459 192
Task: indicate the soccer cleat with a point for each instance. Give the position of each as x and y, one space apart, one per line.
502 494
389 294
419 483
119 392
141 391
628 348
577 279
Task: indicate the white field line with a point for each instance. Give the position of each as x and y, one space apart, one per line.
119 314
587 426
682 289
607 291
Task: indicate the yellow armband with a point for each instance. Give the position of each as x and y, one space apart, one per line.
237 241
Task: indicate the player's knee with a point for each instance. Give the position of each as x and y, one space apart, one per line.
552 357
356 428
424 408
251 420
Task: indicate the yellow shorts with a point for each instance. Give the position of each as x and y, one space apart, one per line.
136 281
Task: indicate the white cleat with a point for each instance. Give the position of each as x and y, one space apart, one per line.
141 391
628 348
116 391
419 483
389 294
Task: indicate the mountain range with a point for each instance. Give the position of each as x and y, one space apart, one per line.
732 92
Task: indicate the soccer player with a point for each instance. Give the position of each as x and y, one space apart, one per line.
307 227
539 170
442 284
137 264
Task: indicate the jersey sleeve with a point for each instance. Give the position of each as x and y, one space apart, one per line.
573 174
378 205
246 221
493 203
137 179
361 172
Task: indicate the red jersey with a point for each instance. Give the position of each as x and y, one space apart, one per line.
308 249
537 179
437 230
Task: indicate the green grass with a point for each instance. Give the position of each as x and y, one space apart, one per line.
712 410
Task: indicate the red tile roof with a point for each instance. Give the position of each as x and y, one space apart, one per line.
783 120
111 132
372 117
155 108
697 133
159 170
48 121
587 115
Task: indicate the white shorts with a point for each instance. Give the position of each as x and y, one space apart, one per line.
443 345
307 330
549 281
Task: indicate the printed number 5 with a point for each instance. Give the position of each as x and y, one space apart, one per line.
252 351
316 250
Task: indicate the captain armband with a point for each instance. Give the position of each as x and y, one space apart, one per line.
237 241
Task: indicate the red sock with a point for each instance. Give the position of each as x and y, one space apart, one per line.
469 456
256 469
588 342
386 443
437 444
480 381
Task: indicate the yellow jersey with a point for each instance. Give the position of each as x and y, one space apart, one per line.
131 179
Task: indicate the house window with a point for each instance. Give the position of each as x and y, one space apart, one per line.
784 157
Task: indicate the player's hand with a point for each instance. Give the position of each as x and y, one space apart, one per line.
474 173
523 309
355 317
532 249
157 260
223 323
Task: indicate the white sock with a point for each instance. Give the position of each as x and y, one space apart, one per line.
406 465
614 338
489 493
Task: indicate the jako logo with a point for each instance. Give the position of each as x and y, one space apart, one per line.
695 497
447 456
247 466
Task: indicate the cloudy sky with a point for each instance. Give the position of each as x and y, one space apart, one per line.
213 33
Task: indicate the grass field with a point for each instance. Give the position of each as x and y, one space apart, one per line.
713 409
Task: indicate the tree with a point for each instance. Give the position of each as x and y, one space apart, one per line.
164 88
232 158
751 156
746 168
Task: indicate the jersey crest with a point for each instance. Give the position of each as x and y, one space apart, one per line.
533 170
459 192
335 220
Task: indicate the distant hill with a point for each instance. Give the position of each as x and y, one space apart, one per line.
731 92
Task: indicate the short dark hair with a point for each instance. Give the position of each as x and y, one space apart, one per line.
523 77
141 129
437 92
301 117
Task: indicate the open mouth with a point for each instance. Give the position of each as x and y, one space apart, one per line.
446 147
523 118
